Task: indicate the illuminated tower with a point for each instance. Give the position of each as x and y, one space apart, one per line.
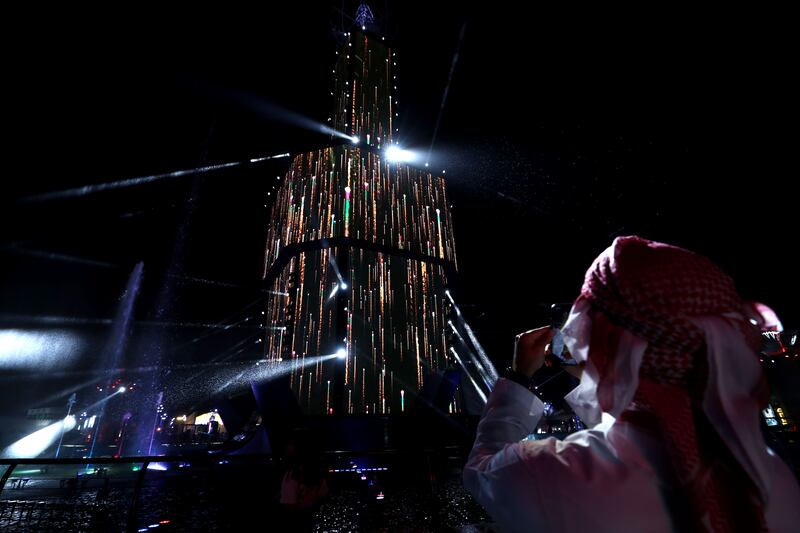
359 252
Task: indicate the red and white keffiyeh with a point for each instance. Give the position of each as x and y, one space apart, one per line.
666 337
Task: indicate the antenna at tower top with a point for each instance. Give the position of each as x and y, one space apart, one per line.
364 15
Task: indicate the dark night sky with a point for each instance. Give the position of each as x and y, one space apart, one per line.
559 133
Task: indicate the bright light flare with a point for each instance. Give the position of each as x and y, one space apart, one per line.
333 292
37 442
395 154
37 348
341 353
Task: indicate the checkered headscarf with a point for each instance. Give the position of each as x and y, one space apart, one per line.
652 290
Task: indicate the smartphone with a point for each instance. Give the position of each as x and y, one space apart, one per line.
559 313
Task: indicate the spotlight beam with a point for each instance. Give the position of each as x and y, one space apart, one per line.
484 373
36 443
446 90
474 384
131 182
487 364
333 292
271 111
76 321
269 370
481 358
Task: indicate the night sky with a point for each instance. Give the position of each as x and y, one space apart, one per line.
559 132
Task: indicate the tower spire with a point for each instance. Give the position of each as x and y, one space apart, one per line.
364 16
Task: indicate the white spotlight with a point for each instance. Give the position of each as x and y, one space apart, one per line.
341 353
37 442
395 154
37 348
122 389
333 292
344 286
354 139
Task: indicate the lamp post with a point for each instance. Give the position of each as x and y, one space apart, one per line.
70 403
155 422
122 432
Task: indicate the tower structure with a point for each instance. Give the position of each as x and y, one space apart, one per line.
359 253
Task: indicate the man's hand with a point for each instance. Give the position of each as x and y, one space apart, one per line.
529 350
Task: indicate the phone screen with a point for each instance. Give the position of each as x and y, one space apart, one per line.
559 313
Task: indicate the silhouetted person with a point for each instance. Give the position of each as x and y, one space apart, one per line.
303 486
